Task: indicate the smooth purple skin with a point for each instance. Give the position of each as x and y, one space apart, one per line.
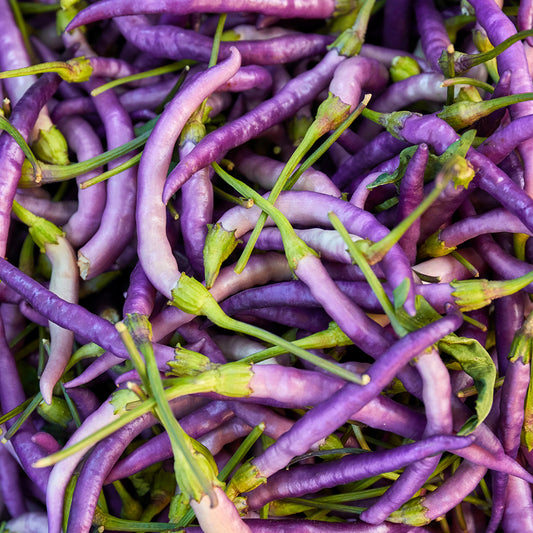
264 171
56 212
196 211
31 522
11 396
301 480
105 9
403 93
499 27
62 471
436 397
22 118
154 250
298 92
141 295
452 491
518 513
328 416
494 221
509 317
380 149
86 401
512 401
410 195
117 223
296 293
102 460
291 317
397 24
433 35
64 282
13 54
499 489
177 43
503 264
311 209
11 491
85 324
357 74
248 77
363 331
525 18
83 224
198 422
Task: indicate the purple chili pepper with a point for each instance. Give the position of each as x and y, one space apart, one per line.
117 224
177 43
410 196
23 118
91 201
103 458
10 488
499 27
433 35
328 416
301 480
155 254
320 9
11 396
296 93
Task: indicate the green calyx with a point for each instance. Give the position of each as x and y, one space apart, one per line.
434 247
42 231
350 40
522 344
192 297
77 69
188 363
219 244
403 67
245 479
343 7
474 294
330 114
464 113
392 122
55 413
51 147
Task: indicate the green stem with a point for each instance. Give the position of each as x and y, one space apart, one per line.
112 172
461 80
78 69
241 452
329 338
52 173
141 76
32 405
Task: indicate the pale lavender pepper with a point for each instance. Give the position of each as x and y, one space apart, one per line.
91 201
155 253
117 223
295 94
